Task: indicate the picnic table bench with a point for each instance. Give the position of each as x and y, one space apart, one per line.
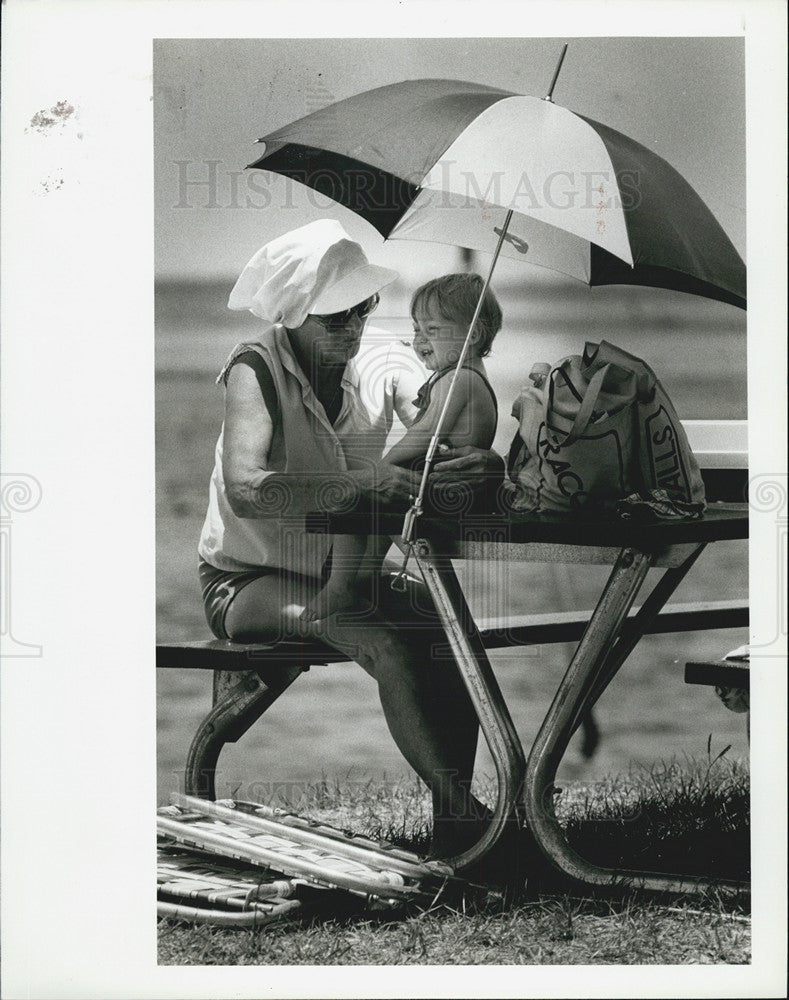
248 678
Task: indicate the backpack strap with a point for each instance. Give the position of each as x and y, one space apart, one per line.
585 410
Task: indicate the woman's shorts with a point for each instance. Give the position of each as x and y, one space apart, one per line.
412 610
220 588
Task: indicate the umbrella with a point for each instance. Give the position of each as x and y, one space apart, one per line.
444 160
480 167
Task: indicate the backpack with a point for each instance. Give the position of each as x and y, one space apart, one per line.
594 429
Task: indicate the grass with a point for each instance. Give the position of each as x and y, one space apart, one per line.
672 817
559 931
678 816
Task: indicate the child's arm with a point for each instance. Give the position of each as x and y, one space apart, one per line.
470 419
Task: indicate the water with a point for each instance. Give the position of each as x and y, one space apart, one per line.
330 721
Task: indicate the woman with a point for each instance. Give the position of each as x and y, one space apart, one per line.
301 434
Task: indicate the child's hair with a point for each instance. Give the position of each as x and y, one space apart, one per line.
456 297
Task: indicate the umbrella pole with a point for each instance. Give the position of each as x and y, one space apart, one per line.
409 523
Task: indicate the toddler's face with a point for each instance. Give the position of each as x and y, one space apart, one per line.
438 341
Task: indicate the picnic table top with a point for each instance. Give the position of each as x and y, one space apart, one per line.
720 521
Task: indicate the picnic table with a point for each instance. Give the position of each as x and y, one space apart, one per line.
608 638
249 678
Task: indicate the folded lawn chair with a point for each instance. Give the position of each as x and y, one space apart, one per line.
200 889
245 865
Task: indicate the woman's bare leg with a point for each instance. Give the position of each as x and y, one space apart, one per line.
426 707
340 592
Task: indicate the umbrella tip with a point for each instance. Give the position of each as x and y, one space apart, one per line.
549 96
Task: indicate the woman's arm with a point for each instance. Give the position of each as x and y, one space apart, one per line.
249 431
255 491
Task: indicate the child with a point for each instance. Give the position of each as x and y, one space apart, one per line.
442 311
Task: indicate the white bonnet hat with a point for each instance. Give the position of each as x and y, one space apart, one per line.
315 269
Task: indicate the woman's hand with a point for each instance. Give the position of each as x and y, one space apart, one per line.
388 484
465 464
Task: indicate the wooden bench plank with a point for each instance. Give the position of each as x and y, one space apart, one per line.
496 633
524 630
720 673
221 654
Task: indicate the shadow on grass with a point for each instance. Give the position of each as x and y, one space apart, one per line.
679 818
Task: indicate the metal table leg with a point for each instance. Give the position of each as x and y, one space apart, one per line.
482 686
634 628
239 701
572 697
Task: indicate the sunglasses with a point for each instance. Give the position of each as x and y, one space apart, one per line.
336 321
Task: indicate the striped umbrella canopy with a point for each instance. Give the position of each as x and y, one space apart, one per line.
475 166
